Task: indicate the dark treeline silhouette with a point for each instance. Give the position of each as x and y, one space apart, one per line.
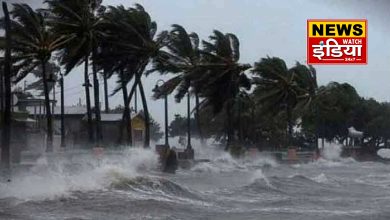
257 104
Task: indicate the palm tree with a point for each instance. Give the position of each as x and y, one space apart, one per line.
132 32
222 77
213 73
32 44
283 89
78 21
52 70
183 56
111 59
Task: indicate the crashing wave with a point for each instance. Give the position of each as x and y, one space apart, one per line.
58 177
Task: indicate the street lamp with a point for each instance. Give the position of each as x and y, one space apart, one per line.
157 89
51 84
189 151
62 111
189 147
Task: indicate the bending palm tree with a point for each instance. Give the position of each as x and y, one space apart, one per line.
282 88
183 56
32 44
131 31
52 70
222 78
78 22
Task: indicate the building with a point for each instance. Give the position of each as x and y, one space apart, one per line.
33 124
76 130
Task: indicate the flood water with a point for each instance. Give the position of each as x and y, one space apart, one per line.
127 185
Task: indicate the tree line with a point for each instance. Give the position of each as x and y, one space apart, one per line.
239 102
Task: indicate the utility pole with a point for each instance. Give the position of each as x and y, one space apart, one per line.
189 151
63 144
107 105
189 147
166 119
135 101
54 98
6 128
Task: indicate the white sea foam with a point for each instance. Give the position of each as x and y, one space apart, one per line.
322 178
384 153
332 152
53 177
258 175
222 161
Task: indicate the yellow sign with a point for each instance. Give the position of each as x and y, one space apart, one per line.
138 123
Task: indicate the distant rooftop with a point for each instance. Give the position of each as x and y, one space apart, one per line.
69 110
111 116
81 110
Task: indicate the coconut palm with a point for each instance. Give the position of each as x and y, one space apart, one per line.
33 44
52 70
132 33
112 63
78 21
223 77
112 59
283 89
183 55
213 73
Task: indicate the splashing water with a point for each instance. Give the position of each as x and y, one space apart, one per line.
60 176
125 185
384 153
332 151
259 175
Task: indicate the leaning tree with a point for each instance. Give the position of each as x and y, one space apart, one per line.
33 43
78 21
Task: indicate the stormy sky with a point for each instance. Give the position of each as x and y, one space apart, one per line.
265 28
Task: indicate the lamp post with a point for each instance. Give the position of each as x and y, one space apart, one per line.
189 150
156 88
49 116
62 112
189 147
51 83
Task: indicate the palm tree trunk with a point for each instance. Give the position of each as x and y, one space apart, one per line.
133 89
127 118
289 124
96 96
6 120
62 112
88 100
189 147
137 81
197 115
229 124
49 124
239 124
107 105
146 114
